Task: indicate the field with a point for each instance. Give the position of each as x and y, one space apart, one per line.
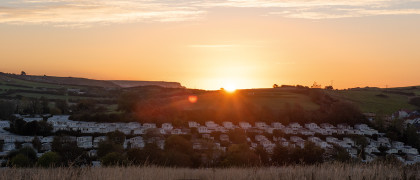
273 99
369 101
323 171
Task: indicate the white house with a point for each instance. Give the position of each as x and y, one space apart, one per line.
397 144
97 140
133 125
9 147
344 126
311 126
348 141
228 125
392 151
295 125
327 126
409 150
244 125
46 147
136 142
277 125
149 125
4 124
84 142
260 137
211 125
261 125
167 126
176 131
139 131
203 130
361 126
295 139
370 149
29 119
193 124
331 139
224 137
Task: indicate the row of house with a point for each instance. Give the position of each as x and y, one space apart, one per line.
311 130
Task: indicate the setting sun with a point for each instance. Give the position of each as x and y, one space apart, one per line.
230 88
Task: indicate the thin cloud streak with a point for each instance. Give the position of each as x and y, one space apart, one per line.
213 45
70 13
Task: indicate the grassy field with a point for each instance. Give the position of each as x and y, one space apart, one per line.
275 101
8 80
323 171
368 101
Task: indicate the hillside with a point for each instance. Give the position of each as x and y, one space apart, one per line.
90 82
128 84
377 100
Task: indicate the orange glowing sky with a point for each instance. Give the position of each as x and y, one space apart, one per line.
213 44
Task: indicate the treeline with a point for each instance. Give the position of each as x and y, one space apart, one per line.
32 106
33 128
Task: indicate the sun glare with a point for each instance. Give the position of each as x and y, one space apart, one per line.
230 88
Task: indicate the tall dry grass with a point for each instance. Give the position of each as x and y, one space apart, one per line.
324 171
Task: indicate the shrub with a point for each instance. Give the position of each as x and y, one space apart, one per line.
49 159
113 159
20 160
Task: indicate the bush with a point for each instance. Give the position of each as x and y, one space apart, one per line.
113 159
21 160
26 151
415 101
49 159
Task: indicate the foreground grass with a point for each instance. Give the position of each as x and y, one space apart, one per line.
324 171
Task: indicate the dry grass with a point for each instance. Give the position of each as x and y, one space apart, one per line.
324 171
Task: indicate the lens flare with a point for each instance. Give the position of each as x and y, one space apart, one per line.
192 99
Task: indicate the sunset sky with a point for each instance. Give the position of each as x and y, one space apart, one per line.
209 44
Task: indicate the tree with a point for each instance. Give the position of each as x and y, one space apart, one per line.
329 87
62 105
178 152
176 158
106 147
275 85
312 154
116 137
23 73
240 155
67 148
49 159
281 155
23 157
136 156
361 142
178 143
20 160
37 143
411 137
7 108
1 145
113 159
237 136
340 154
263 155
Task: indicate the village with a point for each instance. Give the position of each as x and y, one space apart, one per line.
266 135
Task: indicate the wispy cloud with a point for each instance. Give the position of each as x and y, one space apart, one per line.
82 12
213 45
88 12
